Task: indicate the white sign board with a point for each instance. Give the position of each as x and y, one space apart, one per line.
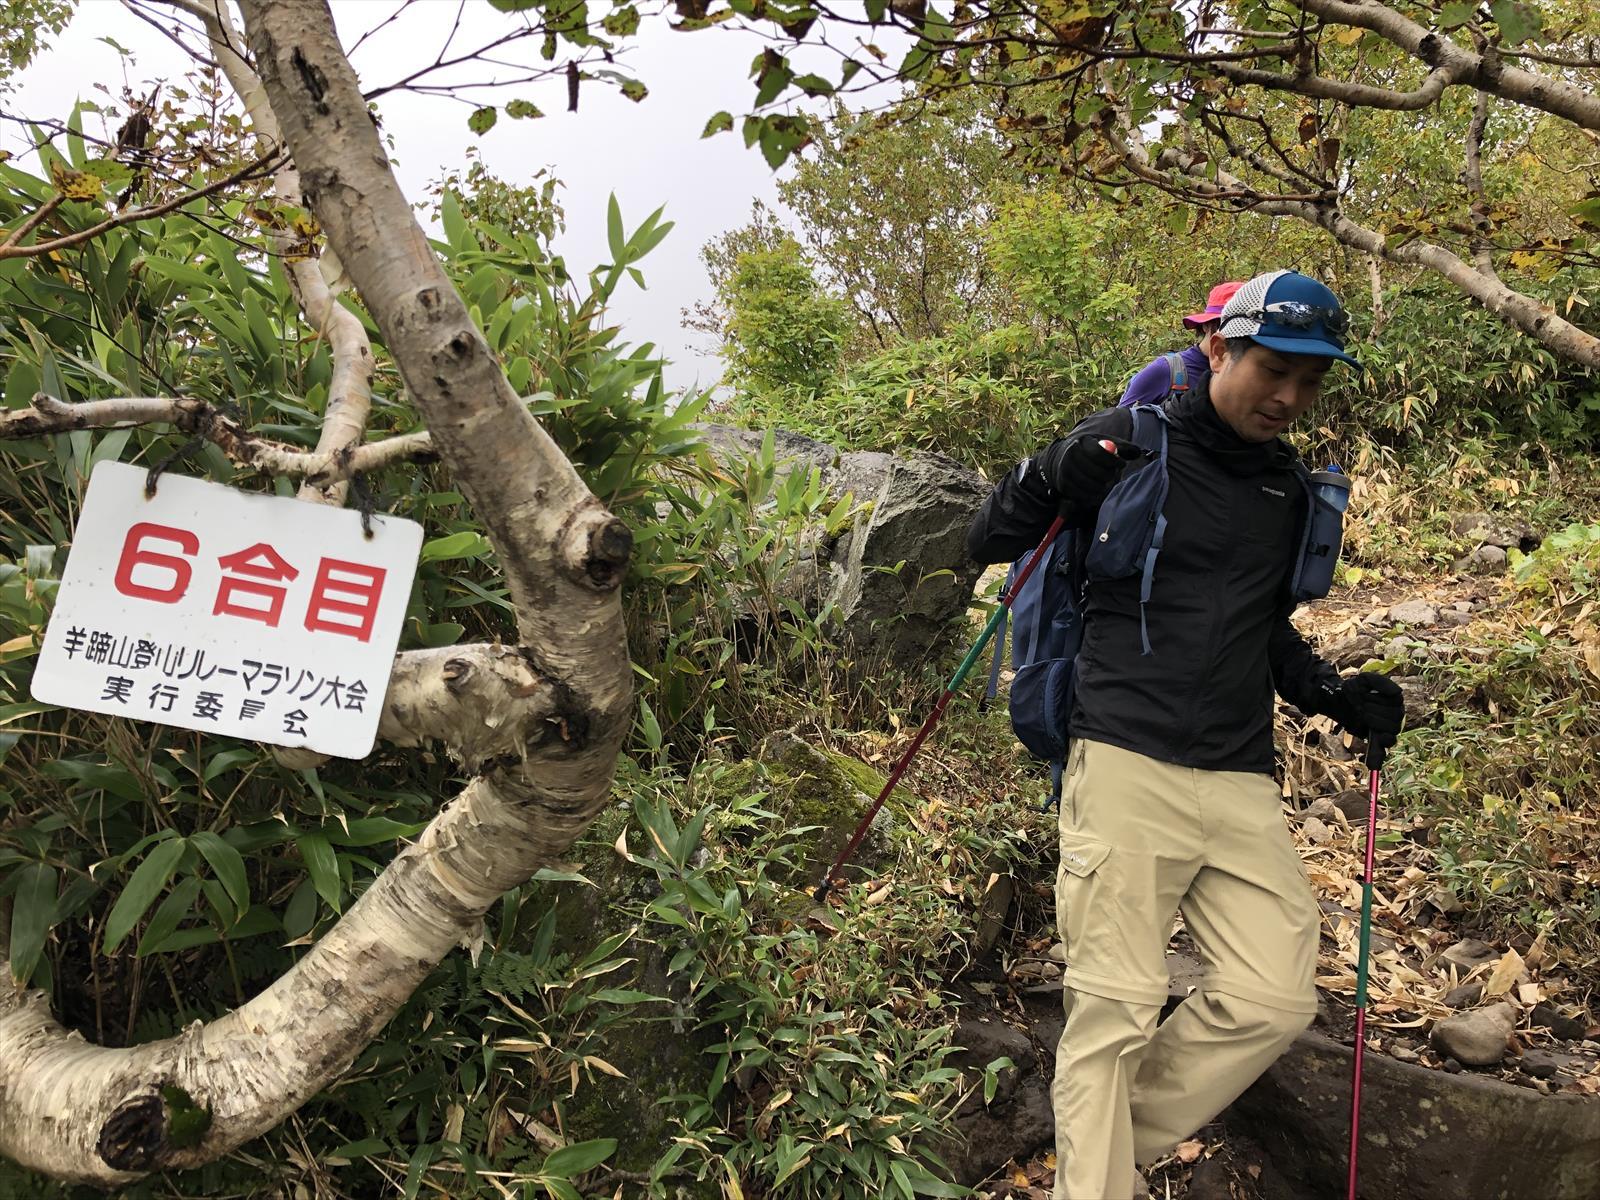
207 608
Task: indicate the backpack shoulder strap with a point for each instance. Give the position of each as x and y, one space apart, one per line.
1178 370
1152 416
1303 477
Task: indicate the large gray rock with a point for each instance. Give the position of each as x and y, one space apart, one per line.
898 582
1426 1135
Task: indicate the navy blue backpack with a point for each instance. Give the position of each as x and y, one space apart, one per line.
1047 618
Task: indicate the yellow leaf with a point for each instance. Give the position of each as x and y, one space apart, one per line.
779 1101
601 1064
25 642
1505 974
74 185
1349 37
1188 1152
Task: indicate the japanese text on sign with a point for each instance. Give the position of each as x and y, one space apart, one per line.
255 616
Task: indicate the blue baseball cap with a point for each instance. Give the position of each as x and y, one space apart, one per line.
1290 313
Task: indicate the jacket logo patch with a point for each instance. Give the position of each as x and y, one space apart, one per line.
1271 491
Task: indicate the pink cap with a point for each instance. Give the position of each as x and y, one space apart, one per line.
1220 295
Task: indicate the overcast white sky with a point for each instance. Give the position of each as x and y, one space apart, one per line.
650 154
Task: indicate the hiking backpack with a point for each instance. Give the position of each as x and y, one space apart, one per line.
1125 540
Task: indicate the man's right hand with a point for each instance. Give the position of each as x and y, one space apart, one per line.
1089 470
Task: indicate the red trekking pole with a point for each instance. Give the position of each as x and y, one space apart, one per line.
1361 976
1004 607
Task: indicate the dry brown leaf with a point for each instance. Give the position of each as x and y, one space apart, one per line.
1189 1152
1505 974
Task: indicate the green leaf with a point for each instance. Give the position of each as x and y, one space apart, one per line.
523 110
616 240
482 119
365 1148
33 912
1453 16
579 1157
721 122
466 544
262 333
142 888
169 914
621 22
323 866
1518 20
634 90
814 85
1586 211
915 1176
772 73
226 864
371 831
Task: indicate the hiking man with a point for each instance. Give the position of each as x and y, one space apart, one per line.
1179 371
1169 802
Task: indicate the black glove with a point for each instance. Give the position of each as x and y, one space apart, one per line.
1370 706
1089 470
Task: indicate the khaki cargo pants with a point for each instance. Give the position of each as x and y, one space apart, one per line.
1141 840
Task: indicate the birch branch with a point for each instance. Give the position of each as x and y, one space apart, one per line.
319 468
349 401
1537 319
1472 176
1485 71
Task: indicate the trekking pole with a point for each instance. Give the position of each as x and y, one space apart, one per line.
821 893
1361 976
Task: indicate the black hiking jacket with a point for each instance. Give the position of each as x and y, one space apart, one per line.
1218 614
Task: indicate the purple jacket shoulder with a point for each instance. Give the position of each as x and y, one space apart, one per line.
1154 381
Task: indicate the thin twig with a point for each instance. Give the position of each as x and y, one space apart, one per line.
266 163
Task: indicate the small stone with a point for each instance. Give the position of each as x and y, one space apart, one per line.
1452 1066
1539 1064
1414 612
1446 901
1453 617
1404 1054
1463 606
1353 651
1321 810
1469 953
1476 1038
1489 556
1465 996
1568 1029
1315 831
1058 952
1036 972
1353 803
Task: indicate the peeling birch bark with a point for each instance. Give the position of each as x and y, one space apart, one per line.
542 721
47 415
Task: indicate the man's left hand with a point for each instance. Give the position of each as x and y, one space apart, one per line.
1371 706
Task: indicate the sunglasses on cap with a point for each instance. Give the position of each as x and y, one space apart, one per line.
1296 314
